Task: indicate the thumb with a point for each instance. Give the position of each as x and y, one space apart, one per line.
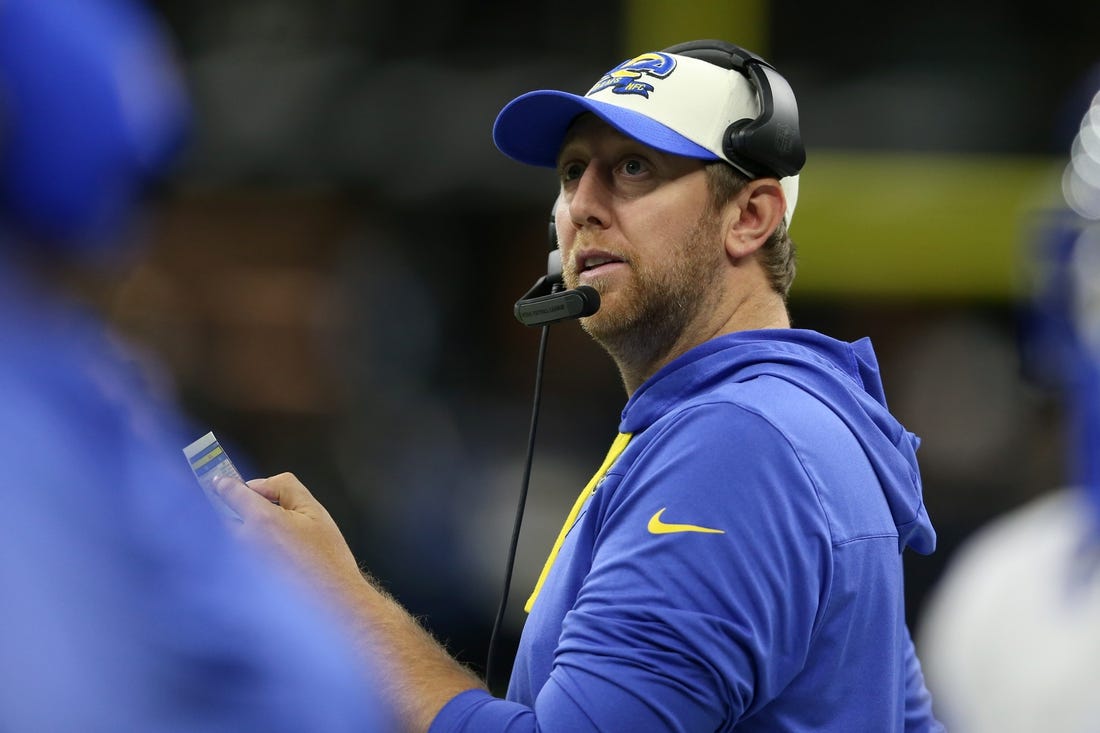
246 501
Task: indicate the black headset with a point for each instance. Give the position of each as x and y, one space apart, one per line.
771 144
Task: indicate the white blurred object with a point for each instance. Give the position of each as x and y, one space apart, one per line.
1010 638
1081 179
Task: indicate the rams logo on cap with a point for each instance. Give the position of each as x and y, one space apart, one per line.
626 78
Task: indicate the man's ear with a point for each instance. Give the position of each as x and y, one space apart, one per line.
752 215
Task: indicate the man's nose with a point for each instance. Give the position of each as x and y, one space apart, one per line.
589 206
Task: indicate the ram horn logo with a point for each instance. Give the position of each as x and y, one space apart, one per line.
626 78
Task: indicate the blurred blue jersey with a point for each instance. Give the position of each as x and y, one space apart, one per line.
125 605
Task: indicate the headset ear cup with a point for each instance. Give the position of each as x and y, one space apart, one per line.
734 144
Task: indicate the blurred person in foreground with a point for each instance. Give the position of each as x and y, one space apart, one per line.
125 605
1011 633
736 562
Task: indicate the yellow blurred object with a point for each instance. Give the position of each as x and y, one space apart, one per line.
654 24
928 226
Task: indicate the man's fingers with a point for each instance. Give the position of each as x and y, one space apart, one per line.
285 490
240 497
261 487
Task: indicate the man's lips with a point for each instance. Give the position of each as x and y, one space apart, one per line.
593 263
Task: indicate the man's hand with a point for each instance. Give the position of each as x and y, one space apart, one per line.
281 517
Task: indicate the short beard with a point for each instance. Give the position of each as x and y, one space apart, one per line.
663 302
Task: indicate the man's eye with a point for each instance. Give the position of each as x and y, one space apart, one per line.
571 171
633 167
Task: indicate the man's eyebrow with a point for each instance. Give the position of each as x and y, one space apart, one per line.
568 149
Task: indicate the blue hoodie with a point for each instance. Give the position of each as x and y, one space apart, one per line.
738 566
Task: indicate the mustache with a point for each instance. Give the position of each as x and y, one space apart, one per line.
593 243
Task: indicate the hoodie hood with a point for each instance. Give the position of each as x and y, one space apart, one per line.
844 376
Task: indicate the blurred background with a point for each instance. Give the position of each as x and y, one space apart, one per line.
333 269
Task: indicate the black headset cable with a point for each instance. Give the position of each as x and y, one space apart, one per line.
517 525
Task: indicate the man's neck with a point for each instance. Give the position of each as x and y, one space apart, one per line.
636 363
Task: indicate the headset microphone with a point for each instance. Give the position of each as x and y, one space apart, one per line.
547 303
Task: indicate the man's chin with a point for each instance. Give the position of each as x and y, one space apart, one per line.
607 322
615 312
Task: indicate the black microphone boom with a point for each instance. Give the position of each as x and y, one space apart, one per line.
536 309
546 302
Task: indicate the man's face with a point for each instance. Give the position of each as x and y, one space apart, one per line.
635 224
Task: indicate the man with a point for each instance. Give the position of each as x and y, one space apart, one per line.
125 605
735 564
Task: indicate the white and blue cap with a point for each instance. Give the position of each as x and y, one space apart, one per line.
673 103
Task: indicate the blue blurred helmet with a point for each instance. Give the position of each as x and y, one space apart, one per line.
92 109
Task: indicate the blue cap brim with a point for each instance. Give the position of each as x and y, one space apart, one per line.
532 127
